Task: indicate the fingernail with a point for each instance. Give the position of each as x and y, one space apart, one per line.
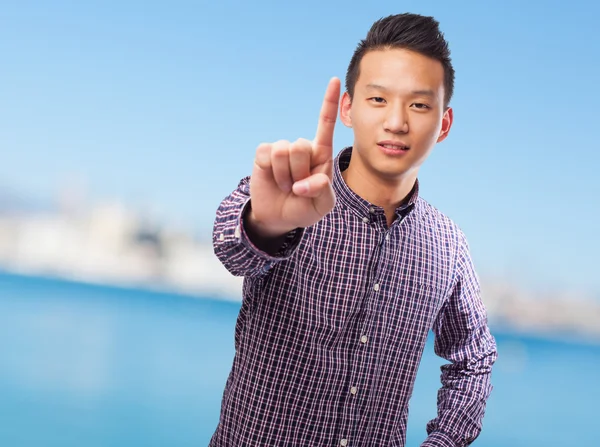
301 187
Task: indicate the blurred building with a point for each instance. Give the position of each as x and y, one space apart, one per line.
110 244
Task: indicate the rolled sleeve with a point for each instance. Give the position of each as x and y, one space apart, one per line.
231 243
439 439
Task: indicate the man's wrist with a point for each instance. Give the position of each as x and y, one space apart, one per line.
264 237
261 229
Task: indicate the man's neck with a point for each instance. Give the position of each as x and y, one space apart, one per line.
387 193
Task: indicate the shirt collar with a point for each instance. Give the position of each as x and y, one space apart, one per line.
353 201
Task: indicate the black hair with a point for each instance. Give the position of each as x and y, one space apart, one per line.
412 32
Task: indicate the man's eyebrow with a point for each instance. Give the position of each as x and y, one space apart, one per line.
377 87
424 92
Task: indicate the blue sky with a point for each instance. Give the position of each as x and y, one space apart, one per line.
162 104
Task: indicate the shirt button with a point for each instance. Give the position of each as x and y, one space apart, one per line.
353 390
344 442
365 219
364 339
237 232
221 237
376 287
387 237
372 210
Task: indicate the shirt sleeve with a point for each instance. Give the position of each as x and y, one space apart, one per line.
462 337
231 243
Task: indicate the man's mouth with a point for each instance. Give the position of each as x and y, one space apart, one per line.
394 146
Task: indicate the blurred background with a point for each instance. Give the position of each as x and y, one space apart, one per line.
124 124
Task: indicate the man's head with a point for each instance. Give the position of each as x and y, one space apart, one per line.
398 89
411 32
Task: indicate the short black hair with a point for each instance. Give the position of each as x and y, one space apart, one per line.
413 32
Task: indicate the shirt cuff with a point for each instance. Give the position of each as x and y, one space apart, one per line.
439 439
287 249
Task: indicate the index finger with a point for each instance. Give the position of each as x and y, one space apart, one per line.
323 142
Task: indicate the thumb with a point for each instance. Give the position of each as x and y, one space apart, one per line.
318 187
312 186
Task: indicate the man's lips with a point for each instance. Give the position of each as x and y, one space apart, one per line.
394 145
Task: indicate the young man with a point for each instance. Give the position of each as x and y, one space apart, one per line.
347 269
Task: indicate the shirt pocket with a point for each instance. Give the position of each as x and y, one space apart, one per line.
411 311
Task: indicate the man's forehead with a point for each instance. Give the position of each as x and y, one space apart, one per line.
386 70
398 59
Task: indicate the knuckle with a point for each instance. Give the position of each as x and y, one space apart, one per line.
303 142
262 156
299 148
281 148
263 148
327 118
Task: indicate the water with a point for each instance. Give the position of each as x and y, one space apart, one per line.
100 366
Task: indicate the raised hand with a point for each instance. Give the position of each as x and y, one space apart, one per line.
291 185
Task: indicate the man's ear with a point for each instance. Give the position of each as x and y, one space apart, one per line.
447 121
345 108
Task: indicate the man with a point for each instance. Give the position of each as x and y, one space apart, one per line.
347 269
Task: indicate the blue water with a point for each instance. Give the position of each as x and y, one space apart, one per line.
84 365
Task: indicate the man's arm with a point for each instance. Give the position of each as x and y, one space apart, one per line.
290 188
462 337
236 243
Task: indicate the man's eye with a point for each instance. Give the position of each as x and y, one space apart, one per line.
377 99
420 105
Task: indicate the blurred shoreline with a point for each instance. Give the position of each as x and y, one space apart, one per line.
108 244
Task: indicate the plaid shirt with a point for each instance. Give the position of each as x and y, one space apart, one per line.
332 328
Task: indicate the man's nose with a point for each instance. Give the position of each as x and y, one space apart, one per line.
396 120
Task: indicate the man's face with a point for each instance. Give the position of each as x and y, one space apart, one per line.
397 112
